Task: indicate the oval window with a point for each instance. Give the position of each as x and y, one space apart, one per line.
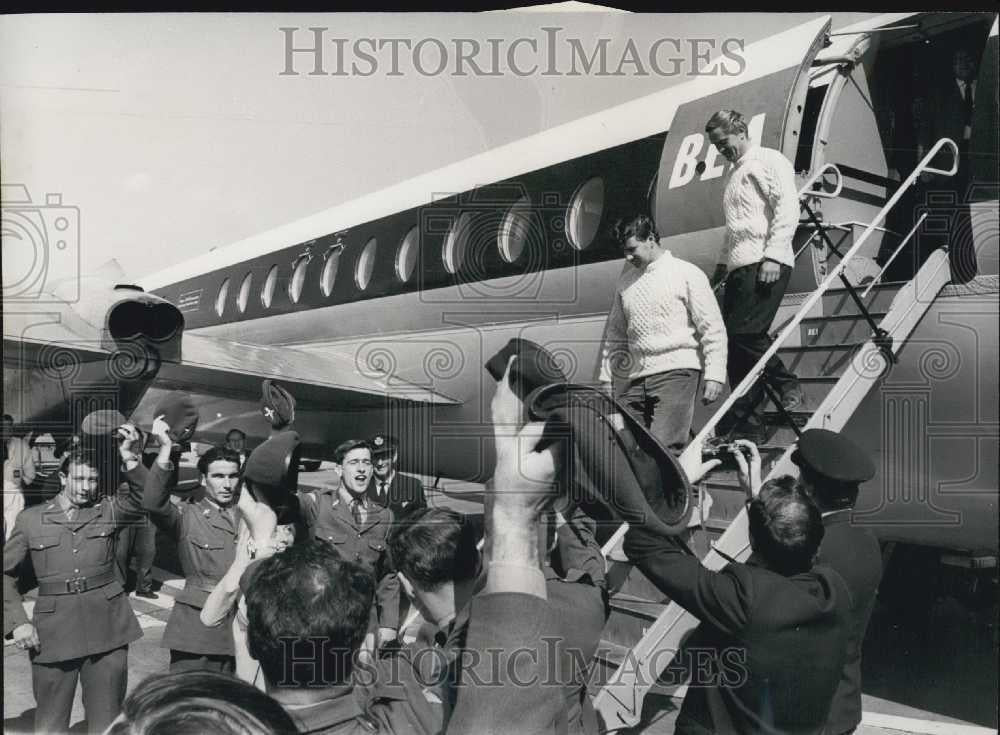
585 212
516 229
453 252
366 264
267 292
243 298
406 258
329 274
220 300
298 278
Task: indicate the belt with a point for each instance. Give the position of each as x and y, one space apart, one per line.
76 585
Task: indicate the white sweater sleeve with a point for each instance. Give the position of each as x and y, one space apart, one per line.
707 320
615 339
777 182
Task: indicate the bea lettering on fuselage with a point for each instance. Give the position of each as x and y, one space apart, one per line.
686 164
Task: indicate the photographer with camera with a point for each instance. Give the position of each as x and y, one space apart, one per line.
82 622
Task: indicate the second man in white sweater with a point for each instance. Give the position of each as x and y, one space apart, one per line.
663 322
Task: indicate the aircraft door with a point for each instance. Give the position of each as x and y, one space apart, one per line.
983 145
691 178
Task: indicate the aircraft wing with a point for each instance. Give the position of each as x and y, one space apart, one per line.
235 370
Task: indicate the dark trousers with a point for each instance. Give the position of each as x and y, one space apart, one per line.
104 677
137 540
664 403
187 661
748 310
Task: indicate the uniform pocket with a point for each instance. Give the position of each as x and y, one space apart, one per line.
112 590
45 604
39 543
207 544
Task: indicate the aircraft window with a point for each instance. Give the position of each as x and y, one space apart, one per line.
406 258
329 274
517 227
267 292
453 252
585 212
244 296
366 264
220 300
298 278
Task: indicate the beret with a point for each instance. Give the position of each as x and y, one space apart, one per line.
179 411
277 404
834 456
383 444
535 367
613 458
273 468
102 422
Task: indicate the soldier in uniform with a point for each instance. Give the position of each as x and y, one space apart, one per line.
399 493
357 527
205 531
82 622
831 468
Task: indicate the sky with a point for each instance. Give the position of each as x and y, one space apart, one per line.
166 135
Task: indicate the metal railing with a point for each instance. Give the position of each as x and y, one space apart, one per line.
757 370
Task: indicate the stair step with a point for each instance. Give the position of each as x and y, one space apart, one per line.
636 606
819 360
837 301
835 330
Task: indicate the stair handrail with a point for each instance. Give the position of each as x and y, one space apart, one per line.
755 372
892 257
806 189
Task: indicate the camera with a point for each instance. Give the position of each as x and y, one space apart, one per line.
41 246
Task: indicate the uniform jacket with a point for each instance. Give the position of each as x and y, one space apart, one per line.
405 494
777 643
330 519
854 553
98 617
206 546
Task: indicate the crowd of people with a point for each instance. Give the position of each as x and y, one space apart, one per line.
358 608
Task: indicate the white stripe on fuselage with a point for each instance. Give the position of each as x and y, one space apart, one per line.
600 131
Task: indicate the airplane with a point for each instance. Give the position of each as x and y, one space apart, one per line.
378 314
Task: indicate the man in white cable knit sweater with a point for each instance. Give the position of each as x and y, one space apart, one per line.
761 205
664 312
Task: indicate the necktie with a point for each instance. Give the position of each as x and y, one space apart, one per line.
357 511
382 491
967 99
70 513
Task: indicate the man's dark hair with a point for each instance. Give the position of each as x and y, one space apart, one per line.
830 494
641 227
351 444
195 702
307 612
729 122
785 525
89 457
435 545
217 454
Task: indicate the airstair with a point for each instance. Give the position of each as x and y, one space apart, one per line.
840 342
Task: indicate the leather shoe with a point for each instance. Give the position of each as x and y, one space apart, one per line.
148 594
